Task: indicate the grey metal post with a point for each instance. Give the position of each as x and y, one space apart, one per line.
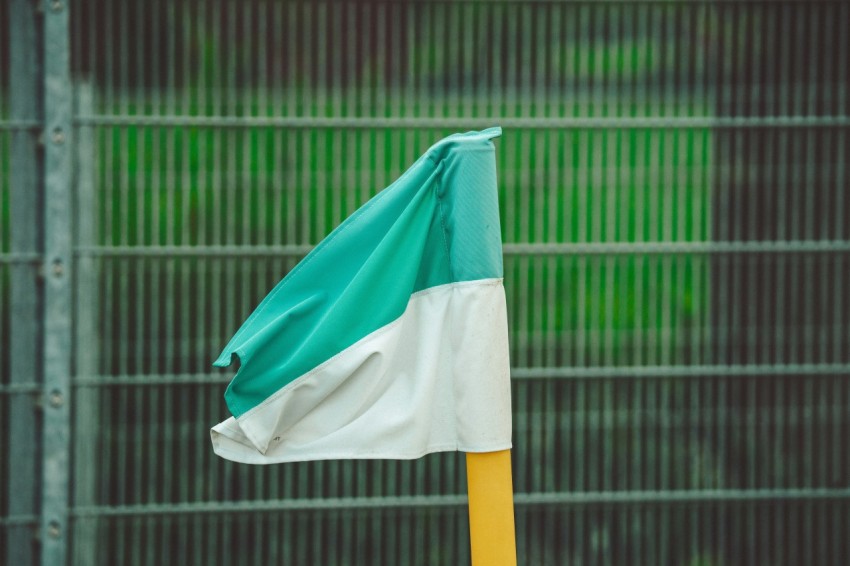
58 96
86 413
24 96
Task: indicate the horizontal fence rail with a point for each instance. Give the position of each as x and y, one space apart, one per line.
9 258
520 499
542 123
603 372
19 125
509 248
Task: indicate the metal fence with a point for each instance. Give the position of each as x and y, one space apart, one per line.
676 219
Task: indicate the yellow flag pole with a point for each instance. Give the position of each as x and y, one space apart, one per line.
491 508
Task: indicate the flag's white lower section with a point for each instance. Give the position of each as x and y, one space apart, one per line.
435 379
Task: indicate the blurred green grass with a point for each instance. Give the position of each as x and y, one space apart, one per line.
195 186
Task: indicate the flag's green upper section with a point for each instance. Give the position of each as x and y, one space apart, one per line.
437 224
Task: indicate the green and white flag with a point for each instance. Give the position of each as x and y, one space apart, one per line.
389 340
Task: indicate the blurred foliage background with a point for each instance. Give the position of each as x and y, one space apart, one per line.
673 190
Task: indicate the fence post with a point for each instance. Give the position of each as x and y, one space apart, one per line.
58 270
86 414
24 339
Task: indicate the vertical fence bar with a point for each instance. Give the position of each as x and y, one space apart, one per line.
57 286
25 294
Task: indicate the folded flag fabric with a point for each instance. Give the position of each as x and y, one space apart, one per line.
388 340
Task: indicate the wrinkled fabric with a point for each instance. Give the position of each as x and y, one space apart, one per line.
436 226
